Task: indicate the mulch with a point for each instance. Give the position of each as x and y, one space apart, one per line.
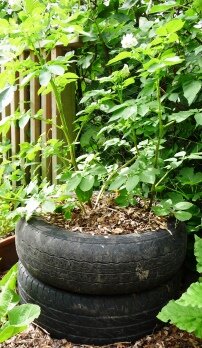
107 218
168 337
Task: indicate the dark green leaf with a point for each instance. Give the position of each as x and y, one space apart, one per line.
198 253
83 196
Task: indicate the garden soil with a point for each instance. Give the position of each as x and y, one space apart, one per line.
168 337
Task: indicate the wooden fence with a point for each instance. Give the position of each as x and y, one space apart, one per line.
27 98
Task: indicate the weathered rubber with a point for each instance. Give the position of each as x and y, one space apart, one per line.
91 319
102 265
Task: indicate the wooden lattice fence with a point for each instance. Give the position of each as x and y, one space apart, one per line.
27 98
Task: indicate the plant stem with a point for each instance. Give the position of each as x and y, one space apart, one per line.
105 48
135 141
160 134
20 200
110 177
65 128
163 177
64 124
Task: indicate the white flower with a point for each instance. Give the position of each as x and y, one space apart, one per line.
198 25
129 41
106 2
14 2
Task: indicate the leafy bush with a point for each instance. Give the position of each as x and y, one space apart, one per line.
7 225
186 312
138 127
13 318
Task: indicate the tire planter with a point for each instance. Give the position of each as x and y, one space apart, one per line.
99 320
100 265
8 254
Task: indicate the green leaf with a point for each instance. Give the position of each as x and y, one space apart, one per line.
48 207
124 199
148 176
191 90
164 208
181 116
182 215
174 25
192 297
9 279
83 196
185 318
7 331
162 8
71 76
98 169
161 211
183 205
173 60
198 119
87 183
44 77
195 156
198 5
5 125
132 182
188 177
4 26
120 56
23 315
32 5
24 120
125 113
117 183
27 78
198 253
56 69
6 96
128 81
32 205
73 182
32 187
68 214
8 297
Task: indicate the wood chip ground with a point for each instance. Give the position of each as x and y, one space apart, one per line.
168 337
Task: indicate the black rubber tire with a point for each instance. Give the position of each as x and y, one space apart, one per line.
86 264
91 319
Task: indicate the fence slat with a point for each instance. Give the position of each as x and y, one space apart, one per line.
35 125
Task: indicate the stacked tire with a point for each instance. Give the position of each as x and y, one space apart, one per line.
96 289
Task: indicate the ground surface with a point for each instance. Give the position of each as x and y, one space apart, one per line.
168 337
